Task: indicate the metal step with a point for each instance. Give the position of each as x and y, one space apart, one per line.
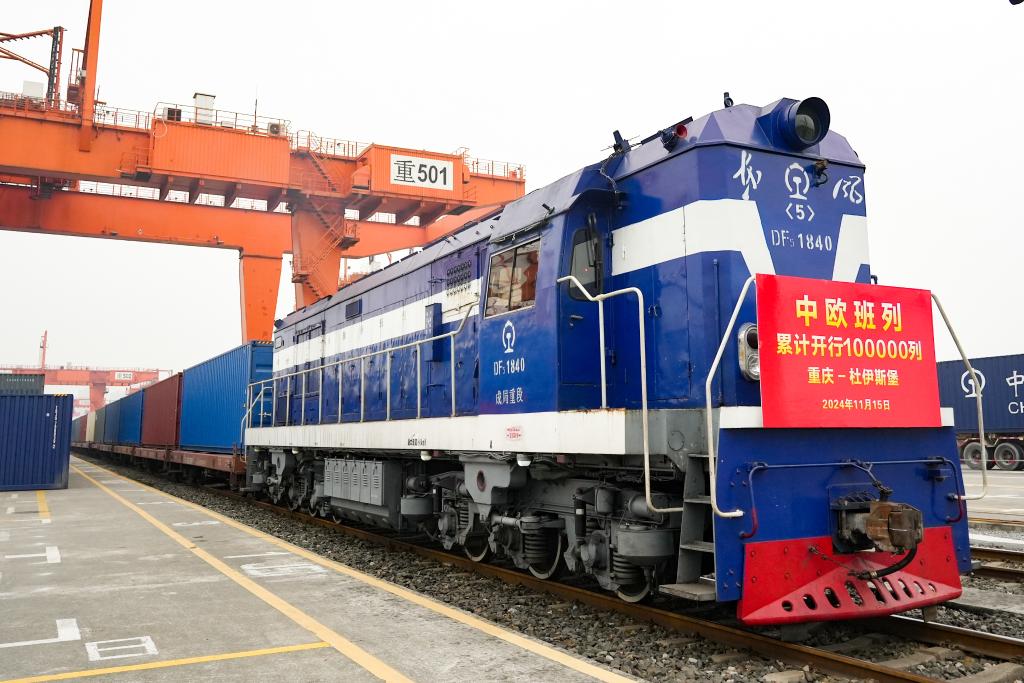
701 500
698 592
700 546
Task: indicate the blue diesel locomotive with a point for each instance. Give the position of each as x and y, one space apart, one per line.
534 386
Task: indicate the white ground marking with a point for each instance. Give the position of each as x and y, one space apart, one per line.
10 509
98 650
13 496
52 555
205 522
158 502
67 630
264 570
238 557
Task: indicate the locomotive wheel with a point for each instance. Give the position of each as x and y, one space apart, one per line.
1008 456
553 568
336 516
634 593
279 496
477 548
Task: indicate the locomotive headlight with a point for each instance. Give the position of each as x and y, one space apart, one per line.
805 123
749 358
753 370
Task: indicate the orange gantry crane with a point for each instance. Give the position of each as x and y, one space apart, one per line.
97 379
195 175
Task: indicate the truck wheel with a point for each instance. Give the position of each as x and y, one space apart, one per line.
1008 456
972 455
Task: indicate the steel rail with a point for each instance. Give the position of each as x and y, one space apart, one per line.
980 643
991 521
999 571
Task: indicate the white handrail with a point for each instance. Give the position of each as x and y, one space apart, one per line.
977 395
599 300
712 456
362 375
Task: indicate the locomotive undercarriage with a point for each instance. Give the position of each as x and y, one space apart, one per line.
544 516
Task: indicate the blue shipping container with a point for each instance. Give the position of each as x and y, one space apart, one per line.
1002 384
129 432
214 395
35 442
113 422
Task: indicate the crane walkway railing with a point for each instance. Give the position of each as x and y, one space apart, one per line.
257 390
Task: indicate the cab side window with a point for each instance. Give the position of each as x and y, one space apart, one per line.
512 282
585 265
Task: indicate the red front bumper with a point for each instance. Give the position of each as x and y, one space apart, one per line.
786 581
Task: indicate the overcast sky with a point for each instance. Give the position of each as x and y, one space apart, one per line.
928 93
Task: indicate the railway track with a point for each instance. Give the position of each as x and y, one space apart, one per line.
979 643
975 642
998 563
997 522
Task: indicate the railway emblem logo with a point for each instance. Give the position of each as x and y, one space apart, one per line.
508 337
967 384
797 178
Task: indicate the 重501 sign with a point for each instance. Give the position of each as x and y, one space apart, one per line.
838 354
436 174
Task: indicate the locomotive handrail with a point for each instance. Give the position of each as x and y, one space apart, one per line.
470 307
599 300
712 456
977 396
248 415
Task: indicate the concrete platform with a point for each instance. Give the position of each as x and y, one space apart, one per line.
114 579
1005 499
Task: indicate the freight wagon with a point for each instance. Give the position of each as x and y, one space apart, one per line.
189 423
1001 380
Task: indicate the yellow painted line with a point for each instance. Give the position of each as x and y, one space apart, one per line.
528 644
167 663
44 508
337 641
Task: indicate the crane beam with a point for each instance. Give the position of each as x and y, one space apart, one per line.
261 238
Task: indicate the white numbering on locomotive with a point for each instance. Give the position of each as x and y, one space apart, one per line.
808 241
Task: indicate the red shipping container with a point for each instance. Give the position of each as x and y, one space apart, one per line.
161 413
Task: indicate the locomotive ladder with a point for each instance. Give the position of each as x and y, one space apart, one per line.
696 535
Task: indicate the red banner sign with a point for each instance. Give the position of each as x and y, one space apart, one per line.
840 354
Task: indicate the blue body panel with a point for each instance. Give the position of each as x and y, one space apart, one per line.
213 397
35 441
129 431
1002 394
112 424
789 496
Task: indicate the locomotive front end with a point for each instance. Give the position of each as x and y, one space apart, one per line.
837 490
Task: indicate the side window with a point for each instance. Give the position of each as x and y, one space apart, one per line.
512 281
585 265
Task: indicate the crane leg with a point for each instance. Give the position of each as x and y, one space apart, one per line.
259 278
